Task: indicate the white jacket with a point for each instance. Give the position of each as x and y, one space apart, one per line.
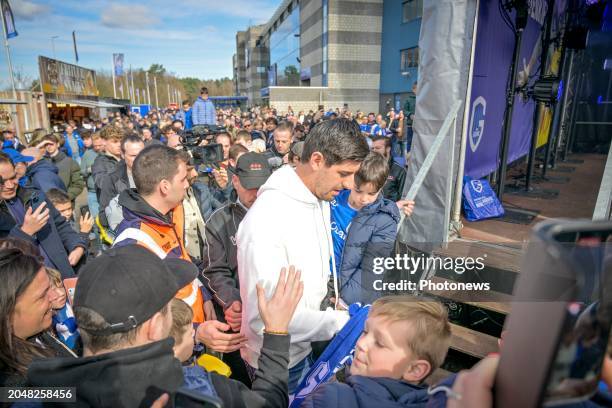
287 225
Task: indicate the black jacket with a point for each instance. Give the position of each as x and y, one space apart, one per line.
102 167
135 377
220 255
57 238
394 186
113 184
11 378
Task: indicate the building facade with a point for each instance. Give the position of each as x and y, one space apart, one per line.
331 53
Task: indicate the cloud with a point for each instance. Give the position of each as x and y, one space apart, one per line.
28 10
128 16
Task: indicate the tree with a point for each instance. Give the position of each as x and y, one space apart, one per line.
157 69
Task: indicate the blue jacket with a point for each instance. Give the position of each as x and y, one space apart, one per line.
43 175
56 238
68 150
207 202
366 392
185 116
203 112
371 235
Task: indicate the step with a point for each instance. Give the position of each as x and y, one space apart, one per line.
472 342
489 300
505 256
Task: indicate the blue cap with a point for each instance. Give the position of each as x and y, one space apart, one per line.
17 157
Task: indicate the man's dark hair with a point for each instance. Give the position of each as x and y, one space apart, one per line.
385 138
130 138
90 320
154 164
284 126
167 129
57 196
86 134
179 121
235 150
374 169
6 159
338 140
204 90
272 120
186 102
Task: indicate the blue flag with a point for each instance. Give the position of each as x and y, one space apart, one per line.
9 21
337 354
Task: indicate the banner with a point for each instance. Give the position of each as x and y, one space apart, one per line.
63 79
492 61
118 64
9 21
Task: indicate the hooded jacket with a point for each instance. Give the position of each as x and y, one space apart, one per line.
366 392
102 166
70 173
167 232
287 225
56 238
66 148
131 377
42 175
371 235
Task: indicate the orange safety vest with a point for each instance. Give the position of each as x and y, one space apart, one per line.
162 239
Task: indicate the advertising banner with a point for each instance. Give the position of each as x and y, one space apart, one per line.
492 61
67 81
118 64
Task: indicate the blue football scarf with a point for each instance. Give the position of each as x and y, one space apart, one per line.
337 354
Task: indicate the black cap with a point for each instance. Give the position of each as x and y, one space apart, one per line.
127 285
253 170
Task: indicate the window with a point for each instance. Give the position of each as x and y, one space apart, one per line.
411 10
261 70
409 58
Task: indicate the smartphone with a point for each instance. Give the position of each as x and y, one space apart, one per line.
185 398
36 200
557 333
84 210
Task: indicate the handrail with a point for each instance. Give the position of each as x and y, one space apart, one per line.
450 120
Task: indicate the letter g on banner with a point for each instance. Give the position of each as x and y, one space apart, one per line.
477 122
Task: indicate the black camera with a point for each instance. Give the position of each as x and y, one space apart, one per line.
206 157
198 133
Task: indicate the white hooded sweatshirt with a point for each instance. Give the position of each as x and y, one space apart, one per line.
287 225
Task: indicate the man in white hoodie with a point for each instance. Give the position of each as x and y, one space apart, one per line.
289 224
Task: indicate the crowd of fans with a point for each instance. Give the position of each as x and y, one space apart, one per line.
190 272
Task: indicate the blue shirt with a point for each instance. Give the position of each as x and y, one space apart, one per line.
341 217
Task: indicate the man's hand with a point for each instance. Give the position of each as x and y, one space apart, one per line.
86 223
211 333
406 206
220 177
35 220
75 255
474 388
161 402
233 315
277 312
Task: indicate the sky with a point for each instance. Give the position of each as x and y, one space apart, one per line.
192 38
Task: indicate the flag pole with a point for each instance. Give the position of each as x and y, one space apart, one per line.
155 86
113 70
148 91
10 67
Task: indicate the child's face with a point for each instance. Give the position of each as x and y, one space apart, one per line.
60 300
382 351
65 209
183 347
363 195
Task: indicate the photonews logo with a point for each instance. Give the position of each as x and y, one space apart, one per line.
477 120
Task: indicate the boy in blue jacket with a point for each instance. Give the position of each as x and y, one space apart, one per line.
364 226
405 339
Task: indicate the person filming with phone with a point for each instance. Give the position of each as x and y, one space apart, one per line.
26 214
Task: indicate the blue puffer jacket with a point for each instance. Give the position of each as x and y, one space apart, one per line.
68 150
371 235
367 392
